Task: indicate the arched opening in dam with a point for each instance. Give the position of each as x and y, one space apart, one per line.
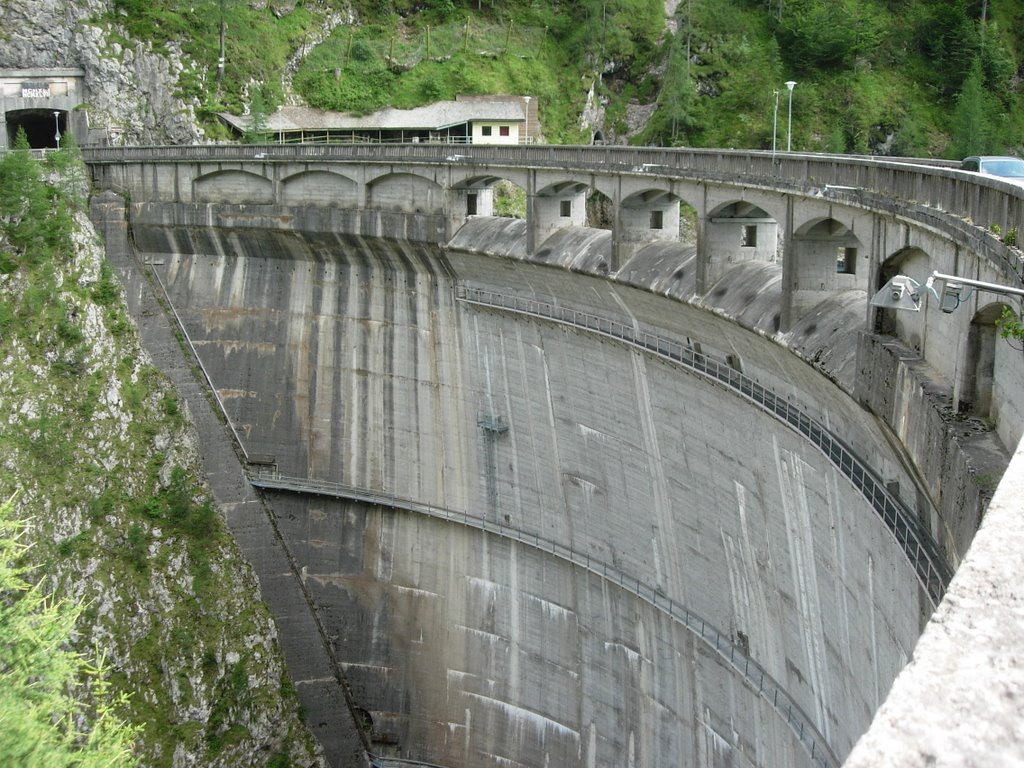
550 519
979 369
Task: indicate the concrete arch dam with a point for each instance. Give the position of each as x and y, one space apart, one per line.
490 471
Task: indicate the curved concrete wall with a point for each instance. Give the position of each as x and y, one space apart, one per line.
351 360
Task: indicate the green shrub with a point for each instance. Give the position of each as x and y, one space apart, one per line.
105 291
137 549
8 262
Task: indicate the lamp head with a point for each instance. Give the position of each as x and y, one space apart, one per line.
901 292
790 84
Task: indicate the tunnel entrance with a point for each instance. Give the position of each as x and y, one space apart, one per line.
43 127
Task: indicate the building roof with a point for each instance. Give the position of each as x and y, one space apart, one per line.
437 116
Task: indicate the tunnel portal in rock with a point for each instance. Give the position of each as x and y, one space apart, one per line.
43 127
45 104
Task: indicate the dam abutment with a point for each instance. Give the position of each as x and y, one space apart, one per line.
310 665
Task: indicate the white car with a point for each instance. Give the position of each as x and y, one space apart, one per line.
1010 169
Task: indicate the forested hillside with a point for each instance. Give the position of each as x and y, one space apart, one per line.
910 77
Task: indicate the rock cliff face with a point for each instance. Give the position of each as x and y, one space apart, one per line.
103 461
130 88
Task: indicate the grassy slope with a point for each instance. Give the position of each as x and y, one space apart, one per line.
892 87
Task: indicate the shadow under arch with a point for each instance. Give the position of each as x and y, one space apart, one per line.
975 396
394 191
828 259
912 262
487 195
600 210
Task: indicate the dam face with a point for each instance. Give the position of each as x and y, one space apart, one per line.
547 479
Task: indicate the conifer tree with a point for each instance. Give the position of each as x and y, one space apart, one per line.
44 684
974 126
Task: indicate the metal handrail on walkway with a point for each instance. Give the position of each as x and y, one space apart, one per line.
720 643
931 568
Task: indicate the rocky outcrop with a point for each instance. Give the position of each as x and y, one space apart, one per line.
101 454
130 88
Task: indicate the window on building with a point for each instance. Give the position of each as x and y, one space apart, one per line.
566 208
656 220
749 236
503 130
485 130
846 260
471 204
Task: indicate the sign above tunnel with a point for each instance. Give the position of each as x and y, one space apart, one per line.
35 90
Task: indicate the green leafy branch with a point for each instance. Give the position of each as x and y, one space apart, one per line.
1010 326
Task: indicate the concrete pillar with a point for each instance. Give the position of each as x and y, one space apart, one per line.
703 251
454 214
617 255
531 213
788 269
362 191
875 257
275 182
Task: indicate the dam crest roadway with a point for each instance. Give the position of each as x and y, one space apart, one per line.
452 415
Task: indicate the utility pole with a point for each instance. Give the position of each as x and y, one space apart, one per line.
223 36
775 124
789 130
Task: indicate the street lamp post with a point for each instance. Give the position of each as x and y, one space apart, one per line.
526 125
56 122
775 123
789 129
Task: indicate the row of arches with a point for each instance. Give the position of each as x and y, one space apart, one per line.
733 231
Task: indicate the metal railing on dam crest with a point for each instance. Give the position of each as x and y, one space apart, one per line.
931 567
